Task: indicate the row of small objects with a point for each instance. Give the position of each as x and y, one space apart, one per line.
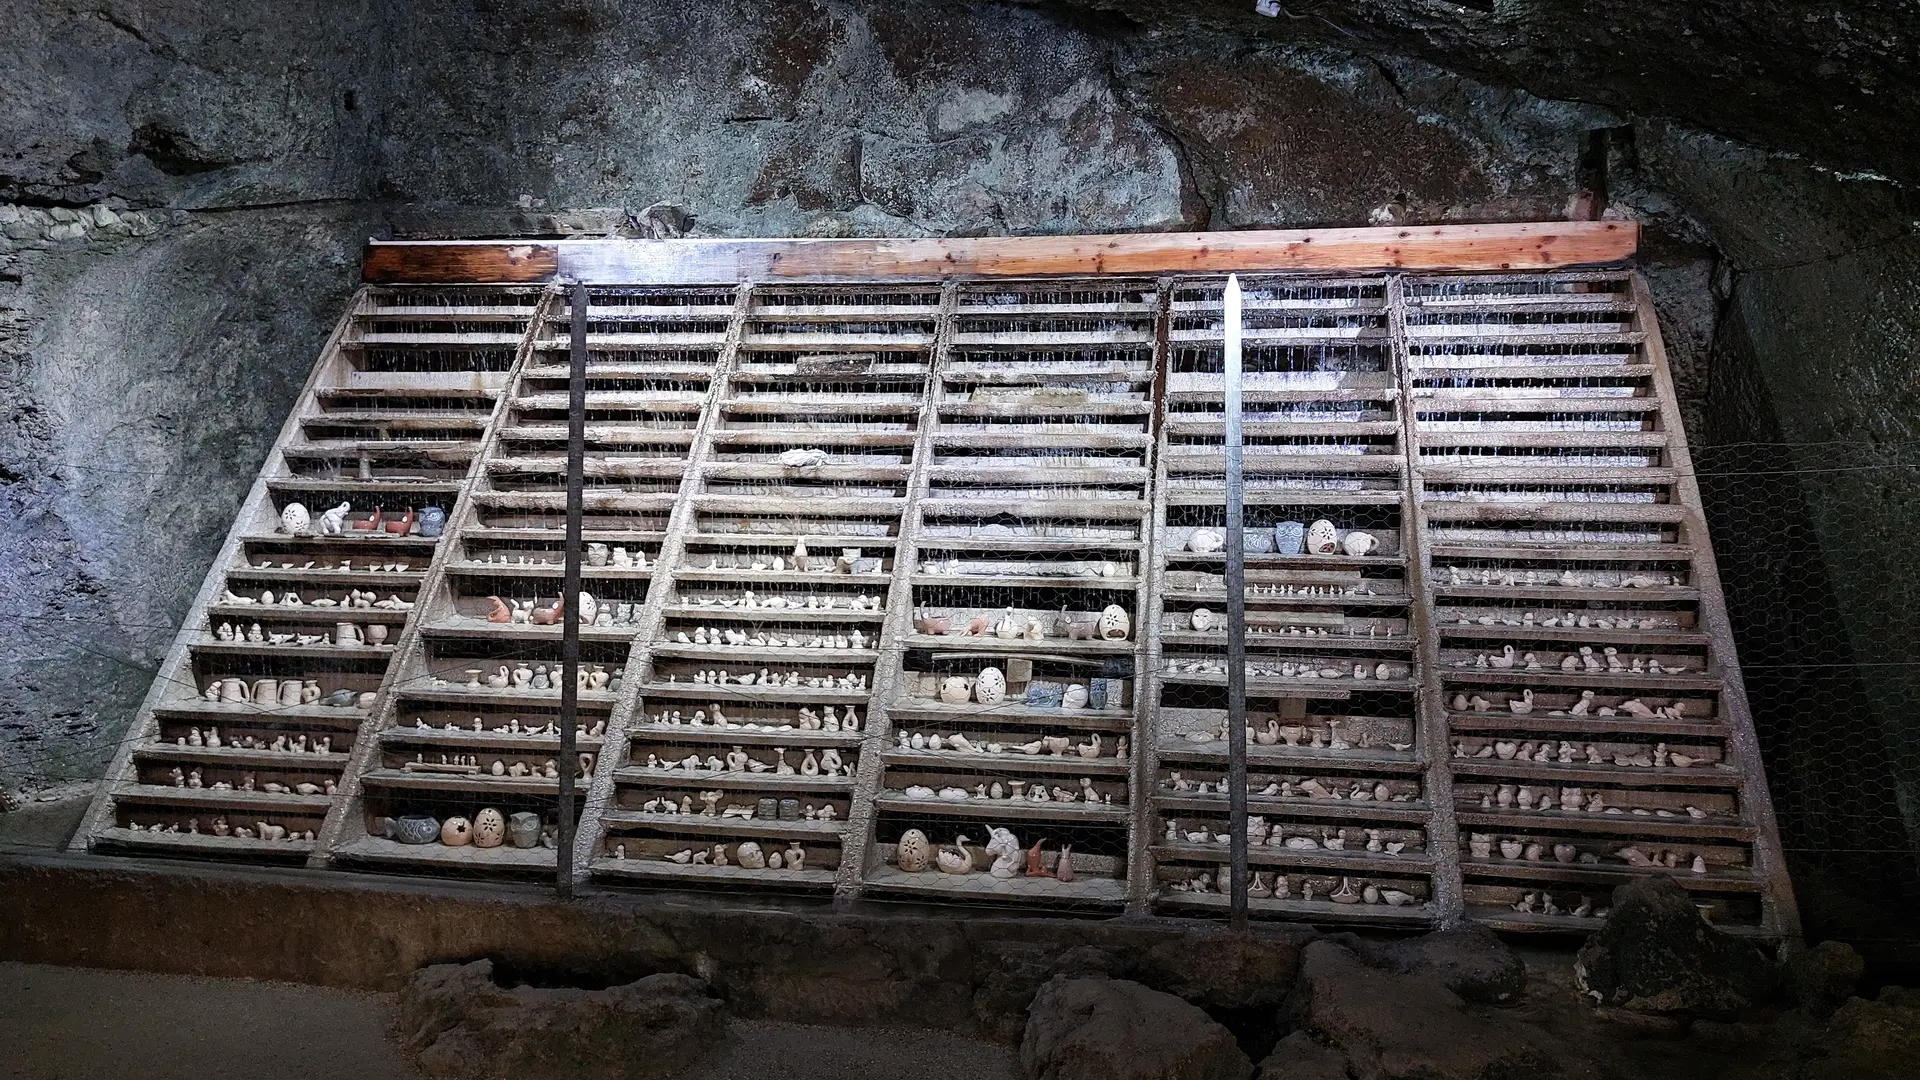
587 677
1276 733
1292 788
469 765
748 601
1523 704
1582 661
346 635
195 779
722 677
1482 846
1569 799
1260 833
267 692
1015 790
1053 745
1112 624
1572 620
592 612
915 854
549 730
707 635
1570 754
747 855
849 561
766 809
355 598
1291 670
1203 620
807 720
259 830
1572 579
487 829
287 744
815 763
1264 885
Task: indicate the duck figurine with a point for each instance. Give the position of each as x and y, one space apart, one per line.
955 859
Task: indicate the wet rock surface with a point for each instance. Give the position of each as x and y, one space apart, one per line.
1113 1029
1656 954
456 1022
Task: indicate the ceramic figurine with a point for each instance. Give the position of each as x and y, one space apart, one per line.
432 521
796 856
1063 869
749 856
456 832
913 853
1322 538
1206 541
955 691
1201 619
955 860
489 828
1288 537
1359 543
334 522
294 520
1115 624
1005 851
990 687
415 829
1008 627
1034 869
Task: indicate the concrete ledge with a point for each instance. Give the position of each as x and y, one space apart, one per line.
796 961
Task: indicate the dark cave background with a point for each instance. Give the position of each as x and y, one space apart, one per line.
184 189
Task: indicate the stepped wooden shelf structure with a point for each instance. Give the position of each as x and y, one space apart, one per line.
829 483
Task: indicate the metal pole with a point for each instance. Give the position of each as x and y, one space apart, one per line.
1236 618
570 583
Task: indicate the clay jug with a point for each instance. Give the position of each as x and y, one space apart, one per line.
290 690
265 691
234 691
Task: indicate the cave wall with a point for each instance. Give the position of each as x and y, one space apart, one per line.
183 189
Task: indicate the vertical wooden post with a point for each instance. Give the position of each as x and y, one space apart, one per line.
1236 614
570 581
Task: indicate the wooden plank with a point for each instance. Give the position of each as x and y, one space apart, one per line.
454 263
1521 246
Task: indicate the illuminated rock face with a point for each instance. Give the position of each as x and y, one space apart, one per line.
181 210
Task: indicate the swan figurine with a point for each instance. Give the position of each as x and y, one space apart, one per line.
955 859
1504 660
1270 736
1523 704
498 680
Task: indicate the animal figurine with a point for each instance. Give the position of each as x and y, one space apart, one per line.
956 860
498 611
1005 851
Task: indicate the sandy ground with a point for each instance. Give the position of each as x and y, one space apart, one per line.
73 1023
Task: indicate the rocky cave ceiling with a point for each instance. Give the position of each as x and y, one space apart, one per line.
1837 83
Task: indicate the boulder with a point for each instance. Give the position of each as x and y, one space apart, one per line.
1878 1039
1656 954
1822 978
1470 959
456 1022
1217 968
1112 1029
1299 1057
1406 1027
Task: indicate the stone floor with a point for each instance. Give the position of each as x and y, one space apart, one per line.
72 1023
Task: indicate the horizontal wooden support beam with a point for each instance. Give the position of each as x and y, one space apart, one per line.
1523 246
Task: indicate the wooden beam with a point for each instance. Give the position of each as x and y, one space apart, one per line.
1503 247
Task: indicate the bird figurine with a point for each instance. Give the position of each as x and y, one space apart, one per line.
1521 705
1504 660
955 858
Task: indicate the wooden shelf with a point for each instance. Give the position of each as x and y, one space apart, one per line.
1005 809
1085 889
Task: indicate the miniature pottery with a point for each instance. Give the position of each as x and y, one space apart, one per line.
489 828
1005 851
598 554
1359 543
416 829
954 690
295 519
1201 619
1115 624
990 687
1289 537
375 633
1322 538
1100 692
749 856
1074 698
291 691
1205 541
523 829
456 832
432 521
1256 541
1043 694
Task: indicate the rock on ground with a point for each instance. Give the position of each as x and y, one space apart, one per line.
1469 959
458 1023
1299 1057
1403 1027
1112 1029
1822 978
1655 954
